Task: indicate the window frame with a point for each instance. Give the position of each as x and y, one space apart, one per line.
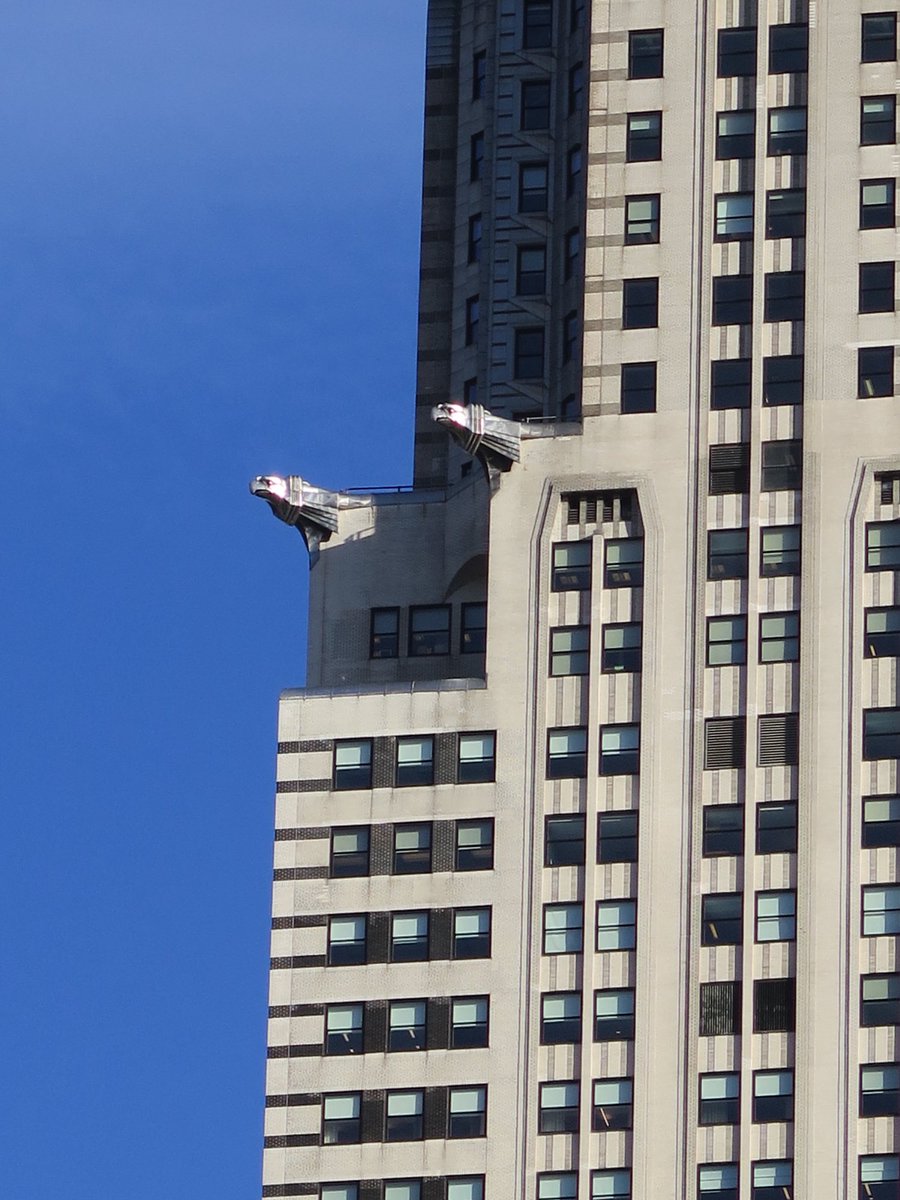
477 769
881 214
533 199
734 226
780 924
790 222
727 928
734 564
467 945
414 772
392 650
871 47
407 1036
349 864
535 113
624 659
478 1035
735 145
619 759
733 62
642 229
412 860
875 129
736 625
645 64
566 937
877 287
638 387
776 843
625 936
529 352
790 638
469 641
724 1109
350 777
789 558
477 857
616 1026
618 1114
720 842
562 1030
339 1043
579 653
643 136
567 851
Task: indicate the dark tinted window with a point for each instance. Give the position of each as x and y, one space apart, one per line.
645 53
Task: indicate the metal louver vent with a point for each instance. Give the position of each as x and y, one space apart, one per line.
774 1005
720 1008
889 487
725 743
779 740
729 469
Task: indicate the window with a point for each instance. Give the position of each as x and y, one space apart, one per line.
783 379
469 1022
406 1025
726 641
475 758
412 849
384 633
717 1181
576 88
727 557
624 562
535 111
786 213
725 741
641 219
475 845
788 48
638 387
784 296
776 916
881 733
614 1015
338 1191
729 469
723 830
617 836
720 1008
537 32
528 354
340 1119
475 233
774 1005
346 941
640 303
621 649
479 74
879 40
736 134
732 300
472 933
415 761
349 851
576 15
468 1112
465 1187
778 740
470 395
344 1029
574 161
403 1116
472 311
558 1186
571 333
476 156
888 483
782 466
730 383
612 1104
533 188
736 51
473 630
720 1099
773 1180
560 1018
611 1185
787 131
880 1000
877 121
877 207
409 937
564 841
879 1090
779 550
531 270
616 921
776 828
567 753
773 1096
882 632
571 567
721 921
563 928
569 646
876 287
779 637
352 764
880 911
643 137
620 749
734 216
879 1177
883 545
645 54
558 1111
573 252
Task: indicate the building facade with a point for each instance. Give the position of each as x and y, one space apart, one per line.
587 820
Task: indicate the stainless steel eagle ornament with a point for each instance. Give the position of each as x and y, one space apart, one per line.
312 510
494 441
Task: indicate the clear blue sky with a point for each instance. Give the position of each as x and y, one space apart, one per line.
208 270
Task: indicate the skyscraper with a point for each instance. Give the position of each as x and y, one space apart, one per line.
586 878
